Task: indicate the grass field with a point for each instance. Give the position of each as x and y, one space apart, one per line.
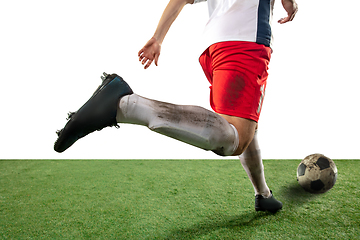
169 199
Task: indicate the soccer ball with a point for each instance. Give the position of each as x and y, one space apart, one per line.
317 173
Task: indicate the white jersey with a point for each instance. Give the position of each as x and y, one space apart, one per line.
238 20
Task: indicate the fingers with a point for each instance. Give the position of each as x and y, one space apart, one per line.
141 56
291 8
140 52
284 20
289 18
156 59
149 53
147 61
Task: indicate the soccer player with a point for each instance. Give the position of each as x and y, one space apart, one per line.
237 51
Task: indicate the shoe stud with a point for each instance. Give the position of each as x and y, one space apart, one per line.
105 75
58 132
70 114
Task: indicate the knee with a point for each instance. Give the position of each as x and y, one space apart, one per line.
241 148
245 139
245 130
228 143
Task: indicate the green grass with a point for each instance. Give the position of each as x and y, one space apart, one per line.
169 199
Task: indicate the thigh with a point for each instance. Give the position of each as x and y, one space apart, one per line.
239 77
235 93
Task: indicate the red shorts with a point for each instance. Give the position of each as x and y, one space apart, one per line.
237 72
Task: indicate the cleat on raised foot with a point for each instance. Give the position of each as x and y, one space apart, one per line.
58 132
267 204
70 114
97 113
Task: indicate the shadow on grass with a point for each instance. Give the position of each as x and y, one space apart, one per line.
217 222
293 195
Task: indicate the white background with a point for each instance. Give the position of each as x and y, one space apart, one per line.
52 54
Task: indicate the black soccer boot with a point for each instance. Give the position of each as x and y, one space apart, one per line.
267 204
97 113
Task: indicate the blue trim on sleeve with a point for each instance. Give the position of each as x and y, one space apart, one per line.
263 35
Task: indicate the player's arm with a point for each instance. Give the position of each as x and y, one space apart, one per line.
151 51
291 8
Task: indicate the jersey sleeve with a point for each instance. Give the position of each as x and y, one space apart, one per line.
197 1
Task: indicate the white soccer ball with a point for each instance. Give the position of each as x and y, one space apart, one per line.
317 173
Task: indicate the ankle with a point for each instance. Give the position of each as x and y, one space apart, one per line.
265 194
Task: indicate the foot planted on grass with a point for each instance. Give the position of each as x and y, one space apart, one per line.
267 204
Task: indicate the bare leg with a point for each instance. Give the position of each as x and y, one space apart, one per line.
246 130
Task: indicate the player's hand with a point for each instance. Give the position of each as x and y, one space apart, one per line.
291 8
149 53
